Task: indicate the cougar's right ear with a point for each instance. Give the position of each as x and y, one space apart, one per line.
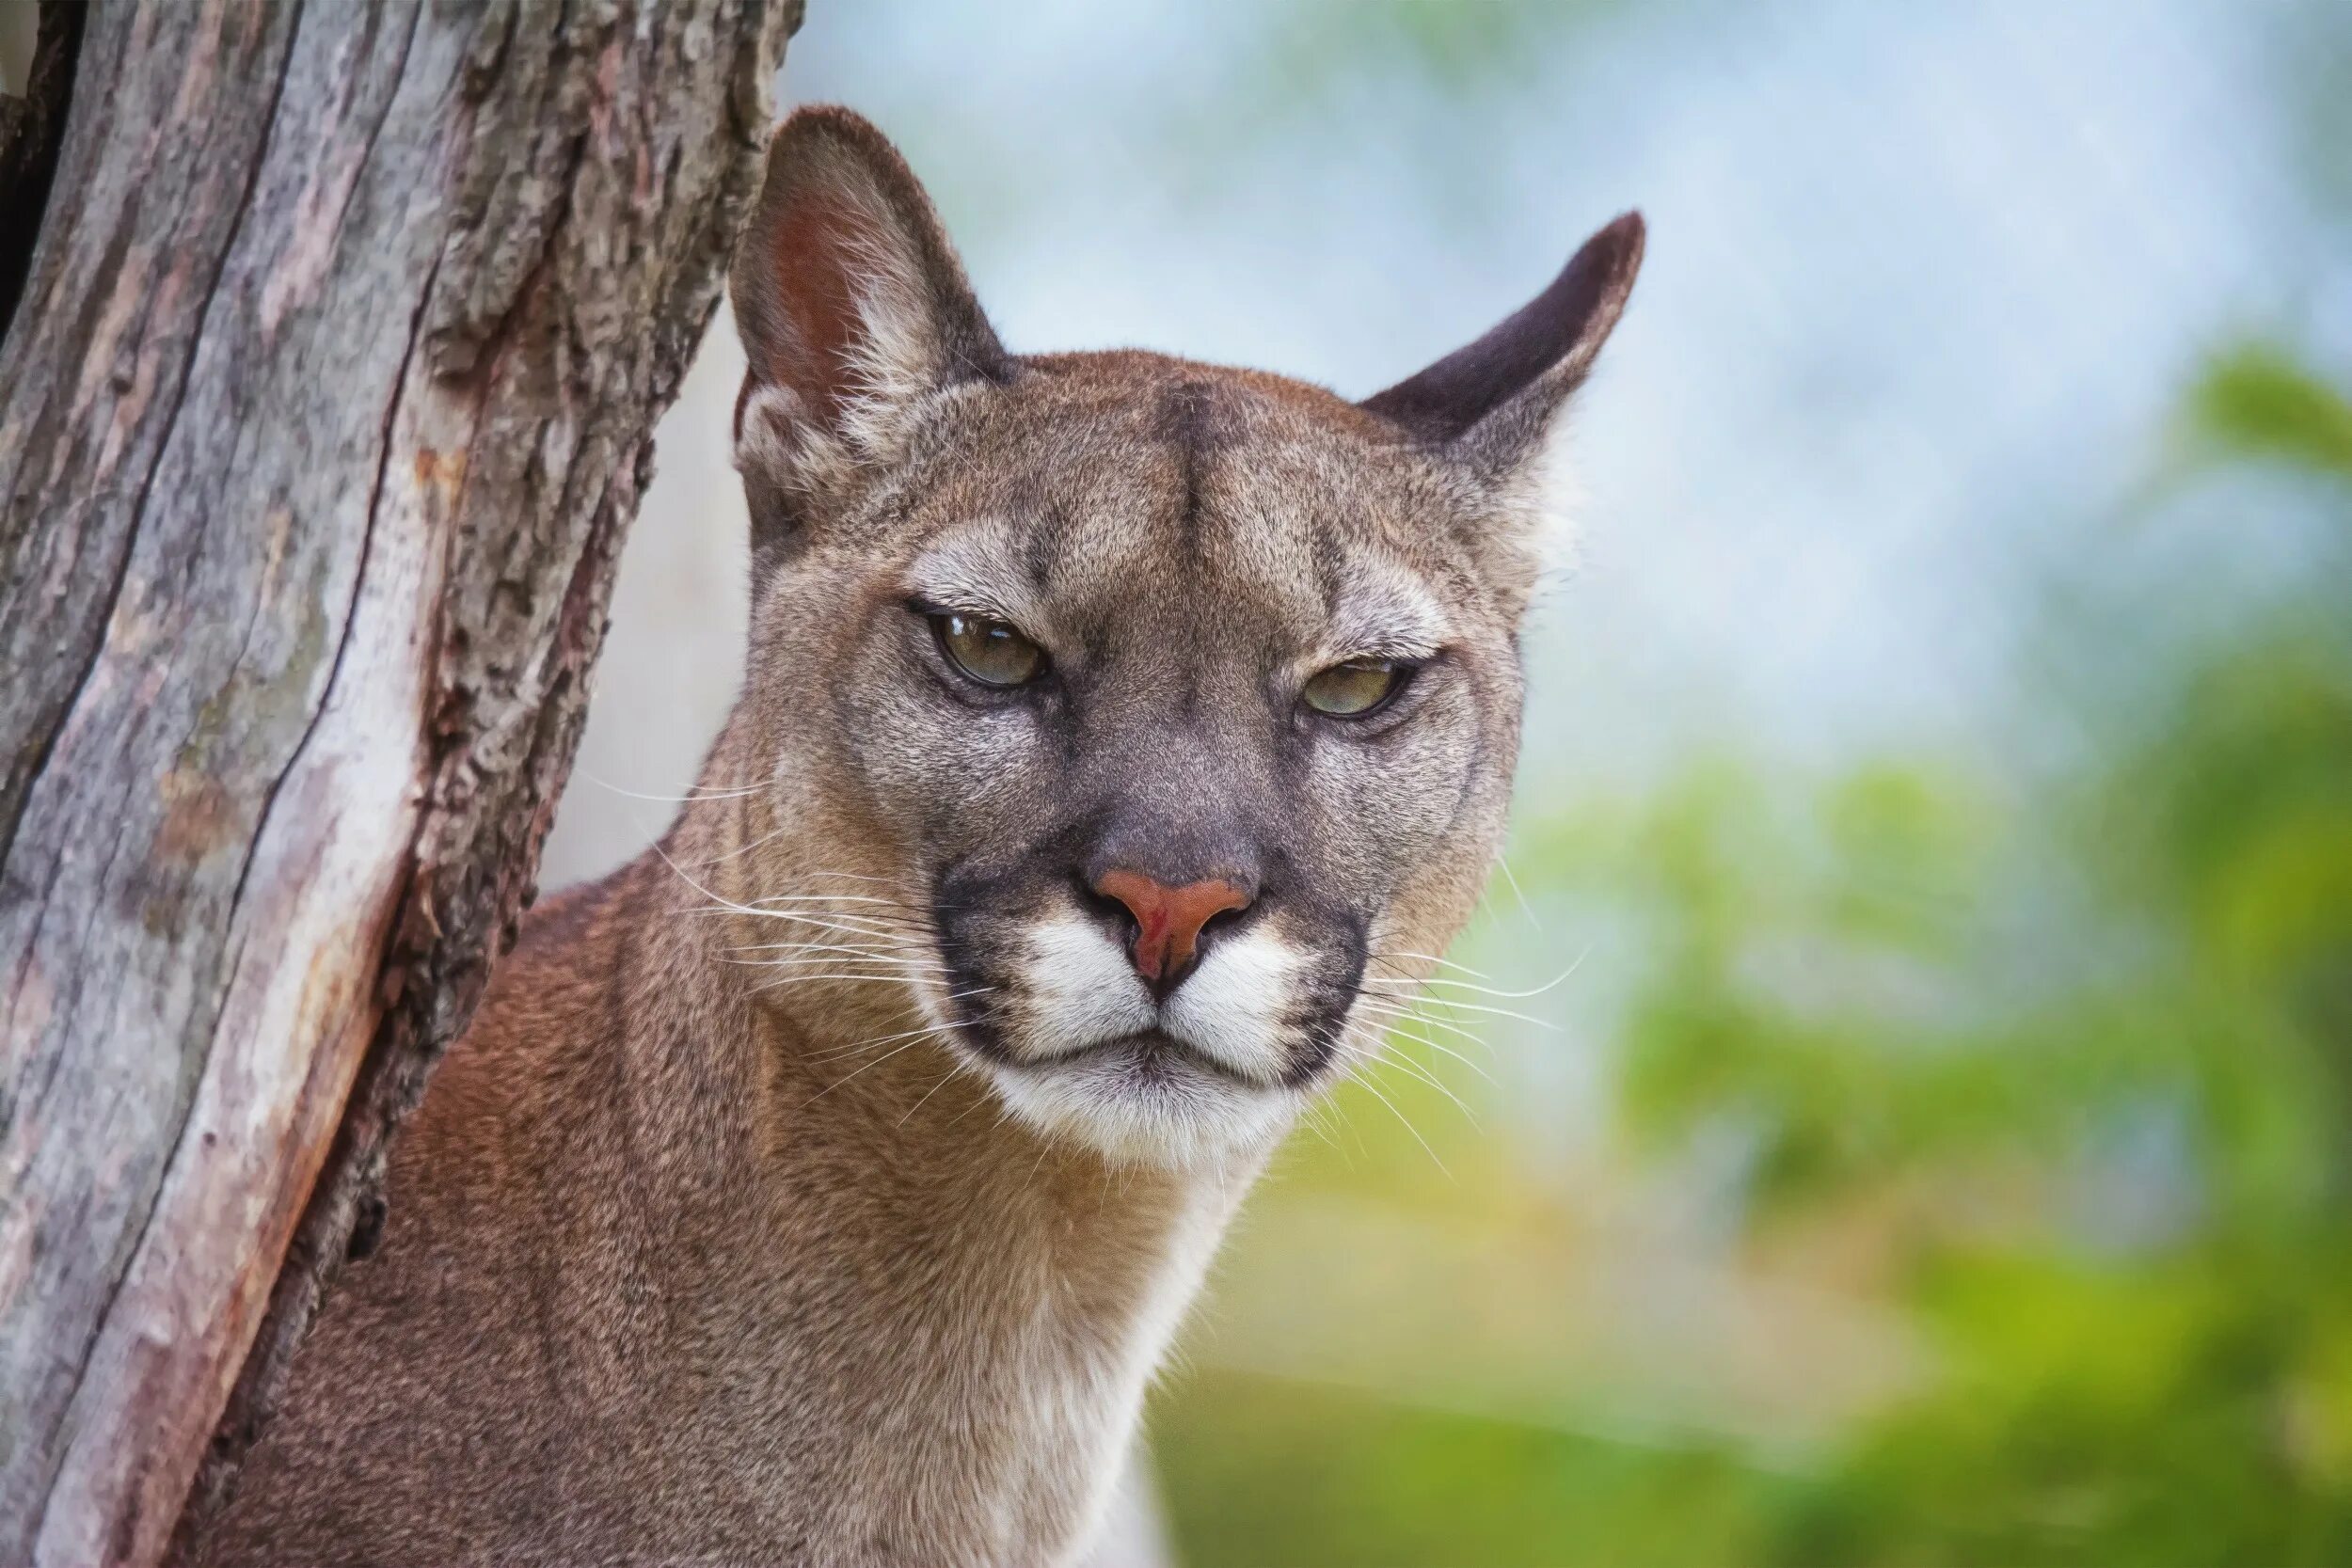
852 306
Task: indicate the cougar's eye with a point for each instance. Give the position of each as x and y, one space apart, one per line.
991 652
1353 689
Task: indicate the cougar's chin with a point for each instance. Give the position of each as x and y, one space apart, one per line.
1146 1100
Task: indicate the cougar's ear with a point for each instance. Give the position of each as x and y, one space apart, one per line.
1491 403
850 304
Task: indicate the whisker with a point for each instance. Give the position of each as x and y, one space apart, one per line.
1431 958
744 849
722 904
1398 1010
856 1045
1560 978
825 899
1313 1122
843 955
818 948
1377 1043
923 890
868 1067
873 922
918 907
1045 1147
1525 908
954 1066
730 792
857 1048
1414 1069
897 969
792 972
800 979
1373 1089
1477 1008
1444 1049
865 930
979 1100
786 974
1397 1058
1477 988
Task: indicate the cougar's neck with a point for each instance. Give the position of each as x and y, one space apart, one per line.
848 1087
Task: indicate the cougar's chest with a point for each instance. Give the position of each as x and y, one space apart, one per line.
982 1410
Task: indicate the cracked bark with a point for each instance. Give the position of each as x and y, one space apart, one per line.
327 397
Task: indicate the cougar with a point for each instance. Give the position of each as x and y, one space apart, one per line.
1121 737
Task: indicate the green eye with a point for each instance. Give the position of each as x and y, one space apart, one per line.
1355 688
991 652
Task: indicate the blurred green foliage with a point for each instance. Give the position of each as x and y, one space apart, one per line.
2069 1046
1376 1485
2126 1382
2259 401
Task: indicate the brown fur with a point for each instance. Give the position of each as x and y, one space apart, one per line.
772 1210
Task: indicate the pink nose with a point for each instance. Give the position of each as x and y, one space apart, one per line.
1167 920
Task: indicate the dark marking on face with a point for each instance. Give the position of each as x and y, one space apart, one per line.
1048 534
1330 565
1187 421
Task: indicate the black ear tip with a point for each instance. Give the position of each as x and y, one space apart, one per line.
825 141
1538 355
1618 244
818 124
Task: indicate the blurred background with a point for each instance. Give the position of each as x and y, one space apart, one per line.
1926 1136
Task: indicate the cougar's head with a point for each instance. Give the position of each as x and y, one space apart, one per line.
1167 712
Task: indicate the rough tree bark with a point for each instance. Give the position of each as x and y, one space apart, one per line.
325 403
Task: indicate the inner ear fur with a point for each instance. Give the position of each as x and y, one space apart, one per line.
849 297
1491 402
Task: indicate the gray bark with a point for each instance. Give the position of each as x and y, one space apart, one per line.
326 404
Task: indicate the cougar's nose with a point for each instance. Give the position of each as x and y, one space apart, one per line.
1167 920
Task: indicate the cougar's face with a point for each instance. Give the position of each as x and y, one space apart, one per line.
1162 684
1176 706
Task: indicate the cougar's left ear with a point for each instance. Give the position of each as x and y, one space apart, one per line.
1491 403
850 303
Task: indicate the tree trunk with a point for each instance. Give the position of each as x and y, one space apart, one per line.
327 397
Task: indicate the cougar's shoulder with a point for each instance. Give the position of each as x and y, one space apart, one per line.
422 1421
561 991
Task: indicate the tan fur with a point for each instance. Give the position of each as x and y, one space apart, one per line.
776 1206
